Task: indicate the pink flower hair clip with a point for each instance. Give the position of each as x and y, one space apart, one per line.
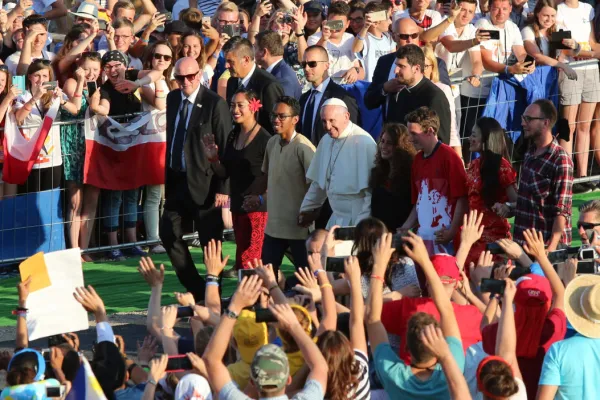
255 105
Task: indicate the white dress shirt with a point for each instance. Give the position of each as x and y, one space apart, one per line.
192 102
244 81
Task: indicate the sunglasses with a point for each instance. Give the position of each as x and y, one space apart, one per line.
189 77
158 56
311 64
406 36
586 225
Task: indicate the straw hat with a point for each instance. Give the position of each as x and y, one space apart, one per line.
582 305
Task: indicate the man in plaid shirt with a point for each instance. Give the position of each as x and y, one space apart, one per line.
546 184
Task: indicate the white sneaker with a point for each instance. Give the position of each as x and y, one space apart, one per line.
158 249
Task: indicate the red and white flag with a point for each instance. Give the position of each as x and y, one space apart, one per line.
21 148
125 156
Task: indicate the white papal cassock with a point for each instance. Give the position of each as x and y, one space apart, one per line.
340 171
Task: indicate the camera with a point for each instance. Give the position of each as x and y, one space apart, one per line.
287 19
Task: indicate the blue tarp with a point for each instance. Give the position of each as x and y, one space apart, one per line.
371 120
31 223
508 97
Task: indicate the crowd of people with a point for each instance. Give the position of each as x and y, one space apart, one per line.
410 281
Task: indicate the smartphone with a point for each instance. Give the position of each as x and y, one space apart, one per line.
344 233
206 21
335 25
587 267
19 82
557 37
46 354
51 85
185 312
587 254
92 87
232 30
56 340
102 24
264 315
494 34
168 16
378 16
55 391
494 286
494 248
178 363
334 264
529 59
558 256
245 272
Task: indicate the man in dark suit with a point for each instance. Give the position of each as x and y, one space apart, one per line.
384 81
239 54
269 56
192 191
316 65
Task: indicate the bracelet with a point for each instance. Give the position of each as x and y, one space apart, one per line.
275 286
77 95
21 309
373 276
326 285
212 284
212 276
260 199
19 313
215 55
362 39
212 279
144 40
316 273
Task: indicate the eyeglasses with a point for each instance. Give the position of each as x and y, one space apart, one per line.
428 66
586 225
225 22
528 119
311 64
158 56
189 77
281 117
406 36
44 62
122 37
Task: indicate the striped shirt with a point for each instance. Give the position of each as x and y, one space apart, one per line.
208 7
363 390
545 192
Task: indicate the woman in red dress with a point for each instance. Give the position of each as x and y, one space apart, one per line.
491 179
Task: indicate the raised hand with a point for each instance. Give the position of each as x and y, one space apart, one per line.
472 229
433 339
414 247
212 258
211 150
147 349
89 299
246 294
285 316
534 244
185 299
510 248
158 366
154 277
264 272
308 284
23 290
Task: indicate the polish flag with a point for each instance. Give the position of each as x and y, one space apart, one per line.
21 151
125 156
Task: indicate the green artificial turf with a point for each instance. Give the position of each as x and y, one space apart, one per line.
124 290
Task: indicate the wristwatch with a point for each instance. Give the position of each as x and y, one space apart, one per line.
151 381
230 314
300 34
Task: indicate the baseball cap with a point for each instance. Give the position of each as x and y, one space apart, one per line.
270 369
249 335
176 26
533 290
313 6
191 387
445 265
86 10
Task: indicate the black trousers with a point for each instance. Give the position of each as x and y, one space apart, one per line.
274 249
179 210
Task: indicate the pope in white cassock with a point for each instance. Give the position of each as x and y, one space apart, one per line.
340 169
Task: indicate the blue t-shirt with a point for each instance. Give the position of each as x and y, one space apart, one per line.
400 383
574 366
131 393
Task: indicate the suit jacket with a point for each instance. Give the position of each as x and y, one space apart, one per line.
373 97
268 90
286 76
210 114
332 90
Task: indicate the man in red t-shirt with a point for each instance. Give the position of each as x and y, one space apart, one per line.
439 185
395 314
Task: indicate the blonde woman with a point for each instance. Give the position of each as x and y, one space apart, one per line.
432 73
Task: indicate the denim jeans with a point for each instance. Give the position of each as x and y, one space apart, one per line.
152 210
111 205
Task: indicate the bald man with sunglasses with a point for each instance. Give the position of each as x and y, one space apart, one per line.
192 191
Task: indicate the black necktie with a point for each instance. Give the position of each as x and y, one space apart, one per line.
309 112
179 139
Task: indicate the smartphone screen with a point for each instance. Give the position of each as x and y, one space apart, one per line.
334 264
185 312
494 286
558 256
206 21
529 59
587 254
51 85
335 25
494 34
92 87
344 233
19 82
494 248
245 272
178 364
102 25
55 391
264 315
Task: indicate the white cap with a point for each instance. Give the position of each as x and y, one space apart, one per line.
335 102
9 6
